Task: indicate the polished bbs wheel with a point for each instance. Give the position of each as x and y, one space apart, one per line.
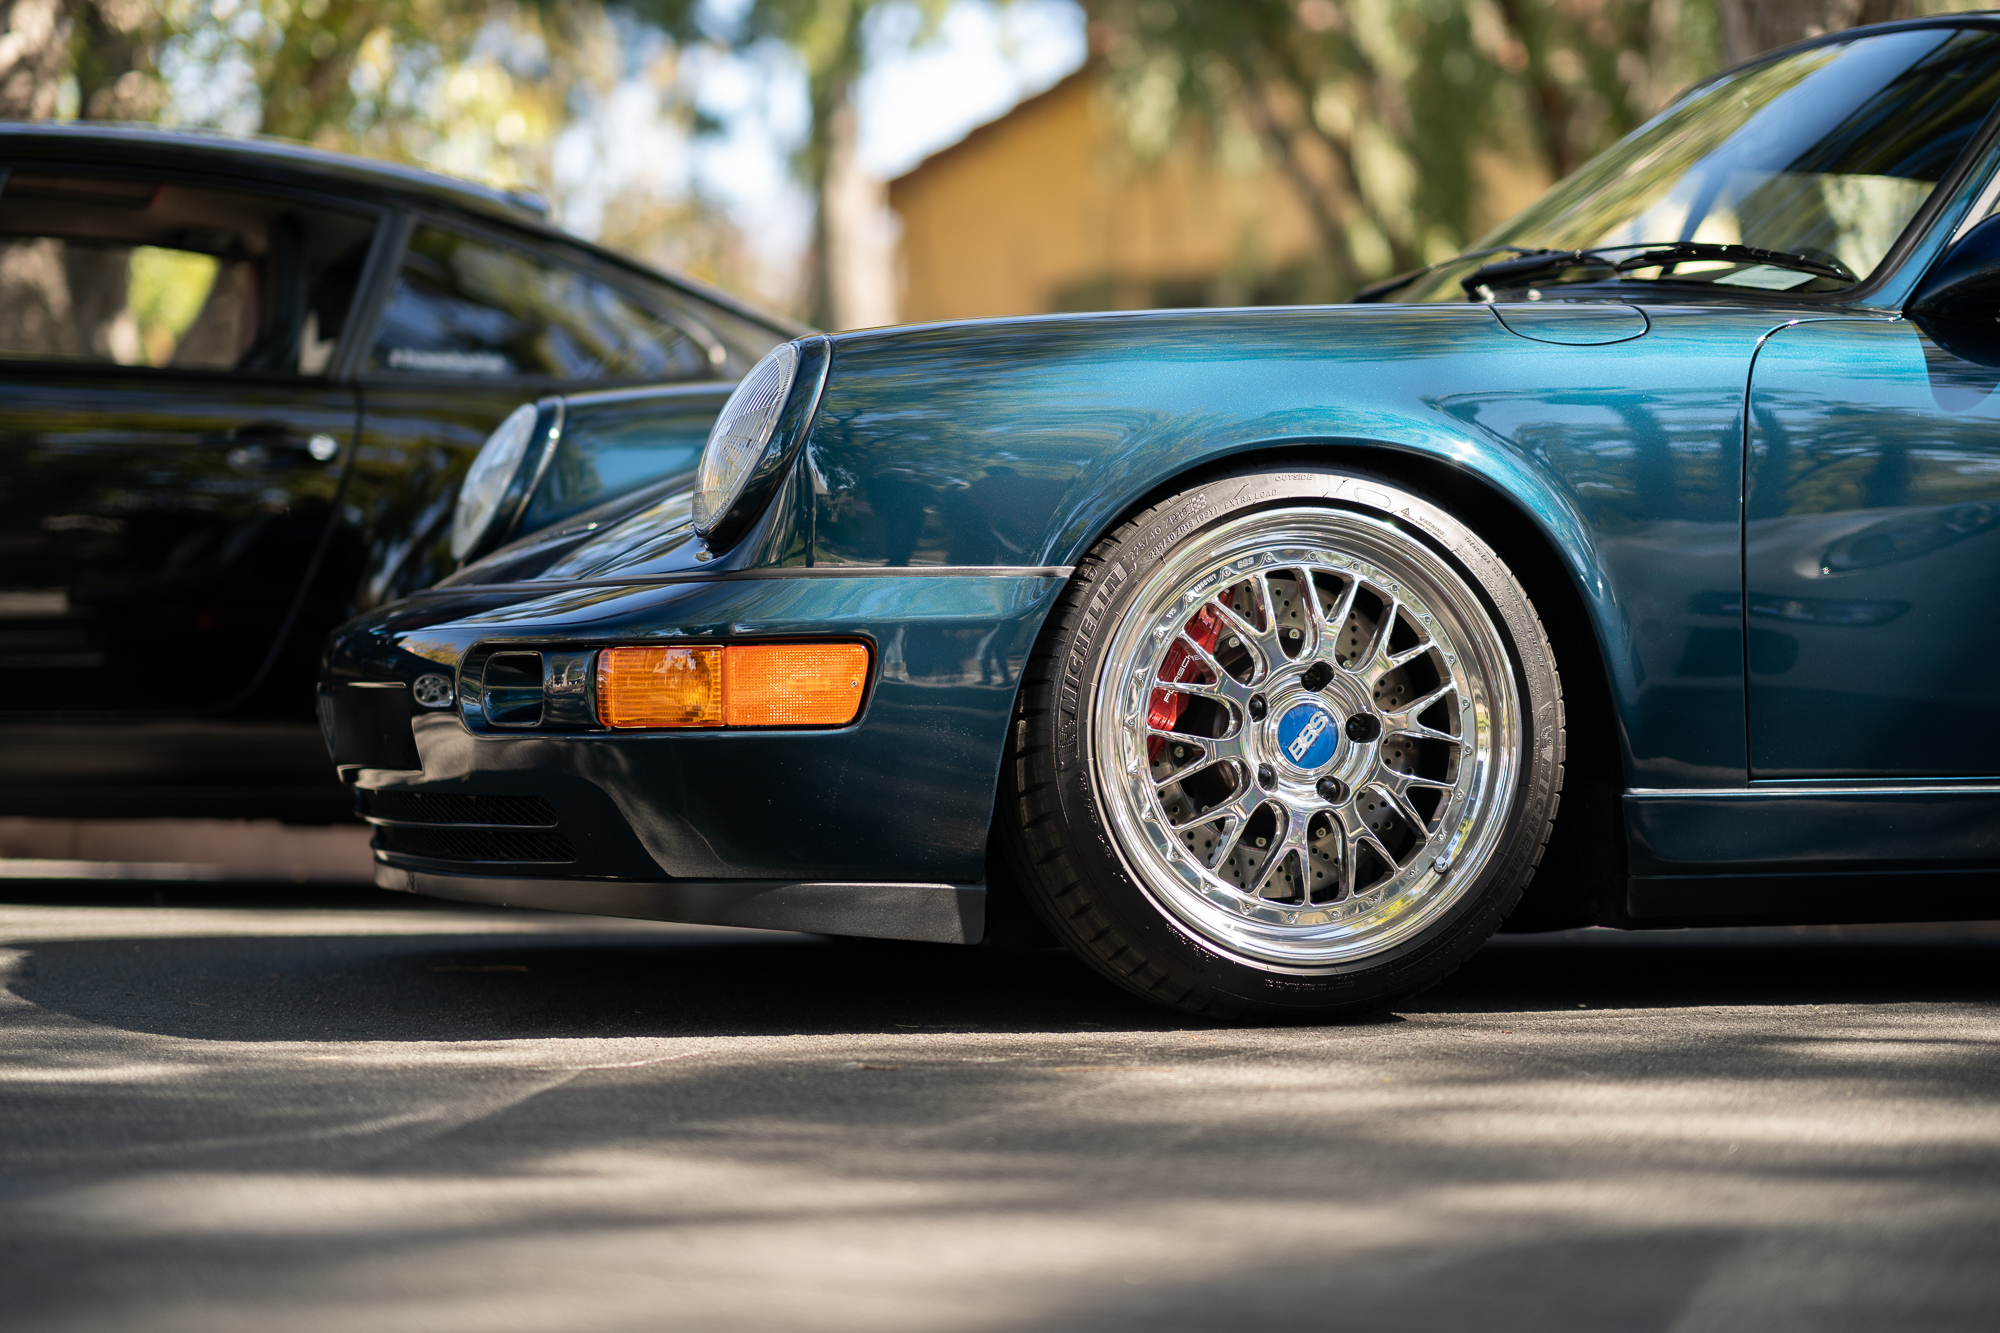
1291 752
1301 731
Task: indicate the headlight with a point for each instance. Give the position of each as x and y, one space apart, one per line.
737 440
487 482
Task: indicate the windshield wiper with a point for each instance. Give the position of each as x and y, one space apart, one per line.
1375 291
1652 254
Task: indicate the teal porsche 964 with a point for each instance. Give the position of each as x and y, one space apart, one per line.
1636 568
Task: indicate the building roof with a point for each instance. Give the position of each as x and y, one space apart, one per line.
976 136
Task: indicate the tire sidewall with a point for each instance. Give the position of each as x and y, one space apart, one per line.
1080 649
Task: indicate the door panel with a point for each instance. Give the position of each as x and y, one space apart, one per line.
1872 556
155 532
171 457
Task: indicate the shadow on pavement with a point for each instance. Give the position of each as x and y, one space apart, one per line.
988 1140
444 985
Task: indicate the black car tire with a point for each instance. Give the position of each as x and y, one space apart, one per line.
1135 907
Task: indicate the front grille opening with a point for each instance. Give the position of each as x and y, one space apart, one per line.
428 807
454 844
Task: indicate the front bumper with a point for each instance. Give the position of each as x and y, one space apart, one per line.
875 828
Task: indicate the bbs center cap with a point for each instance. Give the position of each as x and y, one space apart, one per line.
1308 736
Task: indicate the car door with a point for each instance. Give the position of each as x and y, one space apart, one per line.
171 451
1871 555
481 319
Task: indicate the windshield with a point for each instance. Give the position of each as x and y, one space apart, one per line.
1827 153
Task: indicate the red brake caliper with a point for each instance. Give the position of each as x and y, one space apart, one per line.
1181 666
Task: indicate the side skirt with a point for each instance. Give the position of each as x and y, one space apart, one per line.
934 913
1805 853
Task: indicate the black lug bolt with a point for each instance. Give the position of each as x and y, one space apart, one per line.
1266 775
1333 789
1257 707
1317 676
1363 727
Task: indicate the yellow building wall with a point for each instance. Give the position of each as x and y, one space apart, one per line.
1045 209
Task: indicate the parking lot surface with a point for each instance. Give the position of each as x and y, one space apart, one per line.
241 1113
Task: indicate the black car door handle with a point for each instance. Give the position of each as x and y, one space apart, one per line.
264 447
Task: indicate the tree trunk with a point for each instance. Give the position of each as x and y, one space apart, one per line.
113 56
854 246
34 57
852 282
1752 27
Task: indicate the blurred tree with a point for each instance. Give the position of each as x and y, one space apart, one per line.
1753 26
1385 116
473 86
391 78
96 56
113 50
480 89
1396 121
848 273
34 57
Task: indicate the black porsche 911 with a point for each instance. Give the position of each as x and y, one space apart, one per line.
240 382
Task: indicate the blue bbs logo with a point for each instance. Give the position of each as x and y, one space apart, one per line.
1308 735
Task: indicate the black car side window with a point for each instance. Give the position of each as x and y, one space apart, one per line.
466 306
132 271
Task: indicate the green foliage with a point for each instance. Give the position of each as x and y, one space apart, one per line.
1384 113
169 288
1405 127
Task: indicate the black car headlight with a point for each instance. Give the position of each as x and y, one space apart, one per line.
753 439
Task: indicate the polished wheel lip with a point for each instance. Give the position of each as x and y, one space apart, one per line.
1469 821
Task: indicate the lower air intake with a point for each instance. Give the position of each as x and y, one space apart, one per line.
458 844
430 807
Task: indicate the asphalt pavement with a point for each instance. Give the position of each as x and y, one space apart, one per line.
356 1111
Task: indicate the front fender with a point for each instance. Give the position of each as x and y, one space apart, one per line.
1020 443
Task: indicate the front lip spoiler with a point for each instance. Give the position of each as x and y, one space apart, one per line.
934 913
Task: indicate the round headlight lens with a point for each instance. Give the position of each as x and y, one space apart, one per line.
486 483
739 435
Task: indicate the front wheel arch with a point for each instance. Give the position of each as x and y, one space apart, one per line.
1299 951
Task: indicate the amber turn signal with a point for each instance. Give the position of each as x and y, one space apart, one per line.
792 684
659 687
742 685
